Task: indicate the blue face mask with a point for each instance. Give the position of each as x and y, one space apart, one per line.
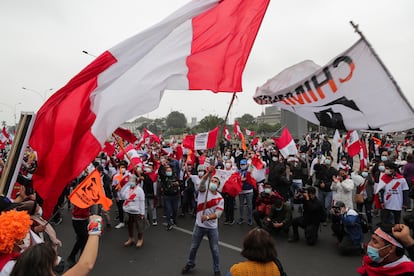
280 208
213 186
373 253
364 174
384 158
381 168
168 173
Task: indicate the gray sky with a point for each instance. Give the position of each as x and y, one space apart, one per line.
42 43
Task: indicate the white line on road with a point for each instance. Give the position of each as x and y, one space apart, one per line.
229 246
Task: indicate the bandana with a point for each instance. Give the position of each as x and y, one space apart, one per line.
380 233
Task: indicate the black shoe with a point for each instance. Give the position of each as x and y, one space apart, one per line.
217 273
186 269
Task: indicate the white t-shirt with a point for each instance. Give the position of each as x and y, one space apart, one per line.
393 191
214 202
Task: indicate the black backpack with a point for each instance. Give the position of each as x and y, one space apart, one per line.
363 222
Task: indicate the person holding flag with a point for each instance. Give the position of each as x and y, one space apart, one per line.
246 195
210 205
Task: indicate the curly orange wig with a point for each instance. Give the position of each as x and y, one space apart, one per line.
14 226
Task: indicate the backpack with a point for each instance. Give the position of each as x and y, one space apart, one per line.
280 267
363 222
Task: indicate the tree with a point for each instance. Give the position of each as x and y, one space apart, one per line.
176 120
246 120
208 123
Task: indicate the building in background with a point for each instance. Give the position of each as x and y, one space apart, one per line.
297 126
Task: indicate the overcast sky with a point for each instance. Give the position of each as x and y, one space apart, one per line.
42 43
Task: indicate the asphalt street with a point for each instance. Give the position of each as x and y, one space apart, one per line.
165 252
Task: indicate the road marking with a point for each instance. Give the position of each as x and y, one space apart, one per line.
229 246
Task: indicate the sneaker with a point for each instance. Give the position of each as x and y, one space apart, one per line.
231 222
120 225
154 223
241 221
58 221
186 269
169 227
250 223
226 222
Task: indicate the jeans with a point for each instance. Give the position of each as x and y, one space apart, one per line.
249 199
326 199
294 187
171 207
212 235
150 210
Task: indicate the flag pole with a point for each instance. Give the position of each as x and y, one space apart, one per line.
273 134
356 28
219 138
125 154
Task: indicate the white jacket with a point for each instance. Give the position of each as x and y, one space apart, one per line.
342 191
134 200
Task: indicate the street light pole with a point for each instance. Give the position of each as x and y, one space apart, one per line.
43 96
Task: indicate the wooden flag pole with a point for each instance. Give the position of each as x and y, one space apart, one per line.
220 136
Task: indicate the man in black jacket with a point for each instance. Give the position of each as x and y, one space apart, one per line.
313 214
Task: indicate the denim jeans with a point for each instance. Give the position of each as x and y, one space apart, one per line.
150 209
212 235
171 207
294 187
249 198
326 199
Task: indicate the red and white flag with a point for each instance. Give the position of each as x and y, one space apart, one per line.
231 182
352 143
201 141
286 144
5 137
133 156
363 156
226 134
126 134
237 131
202 46
337 140
109 148
150 137
249 132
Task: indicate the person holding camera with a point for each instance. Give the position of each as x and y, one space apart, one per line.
313 214
347 229
280 217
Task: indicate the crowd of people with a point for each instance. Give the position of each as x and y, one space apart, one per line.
281 194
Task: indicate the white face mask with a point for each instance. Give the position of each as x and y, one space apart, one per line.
200 173
213 186
148 170
228 165
274 158
39 212
122 170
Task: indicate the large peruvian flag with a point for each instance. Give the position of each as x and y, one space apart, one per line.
230 182
201 141
286 144
352 143
226 134
202 46
149 137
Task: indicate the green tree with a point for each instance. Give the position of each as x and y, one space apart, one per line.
246 120
176 120
208 123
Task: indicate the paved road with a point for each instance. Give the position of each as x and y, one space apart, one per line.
165 252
